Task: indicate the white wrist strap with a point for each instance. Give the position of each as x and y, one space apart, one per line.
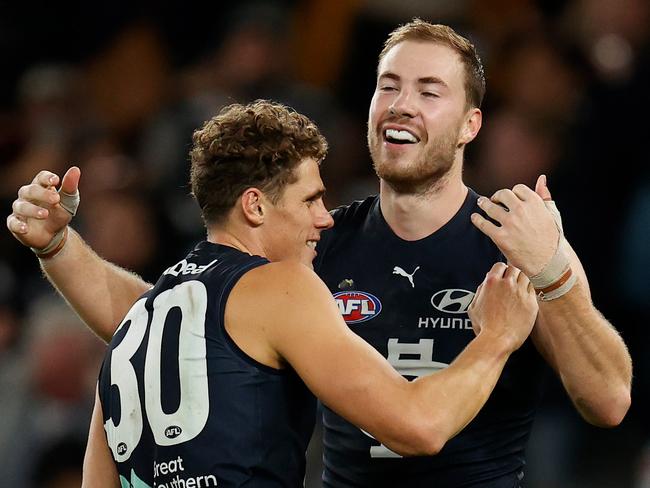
56 240
54 247
556 278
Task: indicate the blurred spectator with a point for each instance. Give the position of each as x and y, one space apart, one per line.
48 384
526 126
60 464
52 114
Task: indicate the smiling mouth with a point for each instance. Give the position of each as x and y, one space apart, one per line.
400 136
311 244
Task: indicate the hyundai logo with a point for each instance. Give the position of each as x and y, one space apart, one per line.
454 300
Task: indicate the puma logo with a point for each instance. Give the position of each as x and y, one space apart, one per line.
399 271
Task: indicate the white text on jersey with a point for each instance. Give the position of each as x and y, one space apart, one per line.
186 268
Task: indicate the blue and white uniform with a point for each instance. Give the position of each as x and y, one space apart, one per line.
183 406
409 300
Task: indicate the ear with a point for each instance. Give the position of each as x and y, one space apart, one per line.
252 205
473 122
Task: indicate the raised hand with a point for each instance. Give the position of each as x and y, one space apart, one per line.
40 212
528 235
504 305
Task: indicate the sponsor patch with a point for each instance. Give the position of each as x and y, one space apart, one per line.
357 306
453 300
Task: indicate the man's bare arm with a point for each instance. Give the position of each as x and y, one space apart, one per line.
586 351
99 470
301 324
100 292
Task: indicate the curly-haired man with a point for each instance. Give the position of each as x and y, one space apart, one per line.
207 378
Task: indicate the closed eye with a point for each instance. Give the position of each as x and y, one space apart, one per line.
315 197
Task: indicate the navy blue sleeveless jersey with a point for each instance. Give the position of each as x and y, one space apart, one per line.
409 300
183 405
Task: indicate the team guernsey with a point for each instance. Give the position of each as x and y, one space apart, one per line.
183 406
409 300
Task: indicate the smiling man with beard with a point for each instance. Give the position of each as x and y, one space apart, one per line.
417 155
425 110
402 266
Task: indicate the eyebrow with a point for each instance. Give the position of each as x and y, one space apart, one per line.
427 80
316 194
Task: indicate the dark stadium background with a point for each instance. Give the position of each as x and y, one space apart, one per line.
117 87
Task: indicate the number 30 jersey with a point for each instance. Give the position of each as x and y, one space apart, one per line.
409 300
183 405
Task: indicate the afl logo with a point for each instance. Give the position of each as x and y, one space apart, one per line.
357 306
173 431
452 301
121 449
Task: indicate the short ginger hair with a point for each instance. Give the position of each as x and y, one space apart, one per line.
420 30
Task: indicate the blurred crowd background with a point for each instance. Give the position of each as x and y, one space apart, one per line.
118 87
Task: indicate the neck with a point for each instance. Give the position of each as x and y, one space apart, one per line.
230 237
415 216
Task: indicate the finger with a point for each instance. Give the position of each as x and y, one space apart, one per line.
541 188
16 225
507 198
46 178
485 226
38 194
70 182
523 192
512 273
523 279
498 269
494 211
26 210
530 288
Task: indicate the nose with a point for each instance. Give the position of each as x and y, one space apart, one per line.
322 219
403 105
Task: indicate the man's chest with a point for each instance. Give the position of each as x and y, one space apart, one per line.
411 306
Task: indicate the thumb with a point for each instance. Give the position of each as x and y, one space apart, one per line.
541 189
70 182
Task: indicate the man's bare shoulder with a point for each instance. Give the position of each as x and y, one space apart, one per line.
270 304
275 279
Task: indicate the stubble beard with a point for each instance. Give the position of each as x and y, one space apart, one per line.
422 175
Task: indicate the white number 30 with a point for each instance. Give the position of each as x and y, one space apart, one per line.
192 413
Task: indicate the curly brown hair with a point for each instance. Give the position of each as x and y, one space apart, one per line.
253 145
420 30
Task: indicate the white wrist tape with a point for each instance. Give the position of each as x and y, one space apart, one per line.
54 247
56 240
551 207
556 278
559 288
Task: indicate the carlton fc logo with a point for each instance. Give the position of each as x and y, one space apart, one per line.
357 306
453 300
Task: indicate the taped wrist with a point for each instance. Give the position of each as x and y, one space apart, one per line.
557 277
54 247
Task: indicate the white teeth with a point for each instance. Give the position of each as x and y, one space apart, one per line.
400 135
311 244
